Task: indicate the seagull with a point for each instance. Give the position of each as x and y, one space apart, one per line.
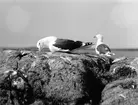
101 48
61 45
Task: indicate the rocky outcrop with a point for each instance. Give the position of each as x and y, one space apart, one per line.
122 90
38 78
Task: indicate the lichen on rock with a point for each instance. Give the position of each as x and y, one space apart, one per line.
28 78
122 89
38 78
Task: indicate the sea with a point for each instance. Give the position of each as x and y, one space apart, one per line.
126 53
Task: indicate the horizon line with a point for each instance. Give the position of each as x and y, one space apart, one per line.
33 47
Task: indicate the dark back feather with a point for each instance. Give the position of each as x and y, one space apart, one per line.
67 44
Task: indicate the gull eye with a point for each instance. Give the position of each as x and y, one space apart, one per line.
39 44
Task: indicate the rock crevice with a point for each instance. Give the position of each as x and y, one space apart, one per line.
33 78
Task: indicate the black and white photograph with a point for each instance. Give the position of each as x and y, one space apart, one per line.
68 52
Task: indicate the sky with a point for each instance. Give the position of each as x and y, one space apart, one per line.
24 22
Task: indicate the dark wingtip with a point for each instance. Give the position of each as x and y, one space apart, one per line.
89 43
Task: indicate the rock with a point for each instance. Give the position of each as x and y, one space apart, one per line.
122 89
40 78
36 78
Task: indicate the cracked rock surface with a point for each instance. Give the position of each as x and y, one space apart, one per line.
38 78
34 78
123 89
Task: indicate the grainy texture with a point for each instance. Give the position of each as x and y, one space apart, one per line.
38 78
122 90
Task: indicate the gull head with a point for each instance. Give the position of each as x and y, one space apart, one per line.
98 36
44 42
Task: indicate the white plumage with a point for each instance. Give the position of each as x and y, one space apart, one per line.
63 45
101 48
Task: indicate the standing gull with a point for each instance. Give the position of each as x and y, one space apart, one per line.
101 48
61 45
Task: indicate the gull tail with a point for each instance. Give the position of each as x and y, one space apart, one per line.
85 44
